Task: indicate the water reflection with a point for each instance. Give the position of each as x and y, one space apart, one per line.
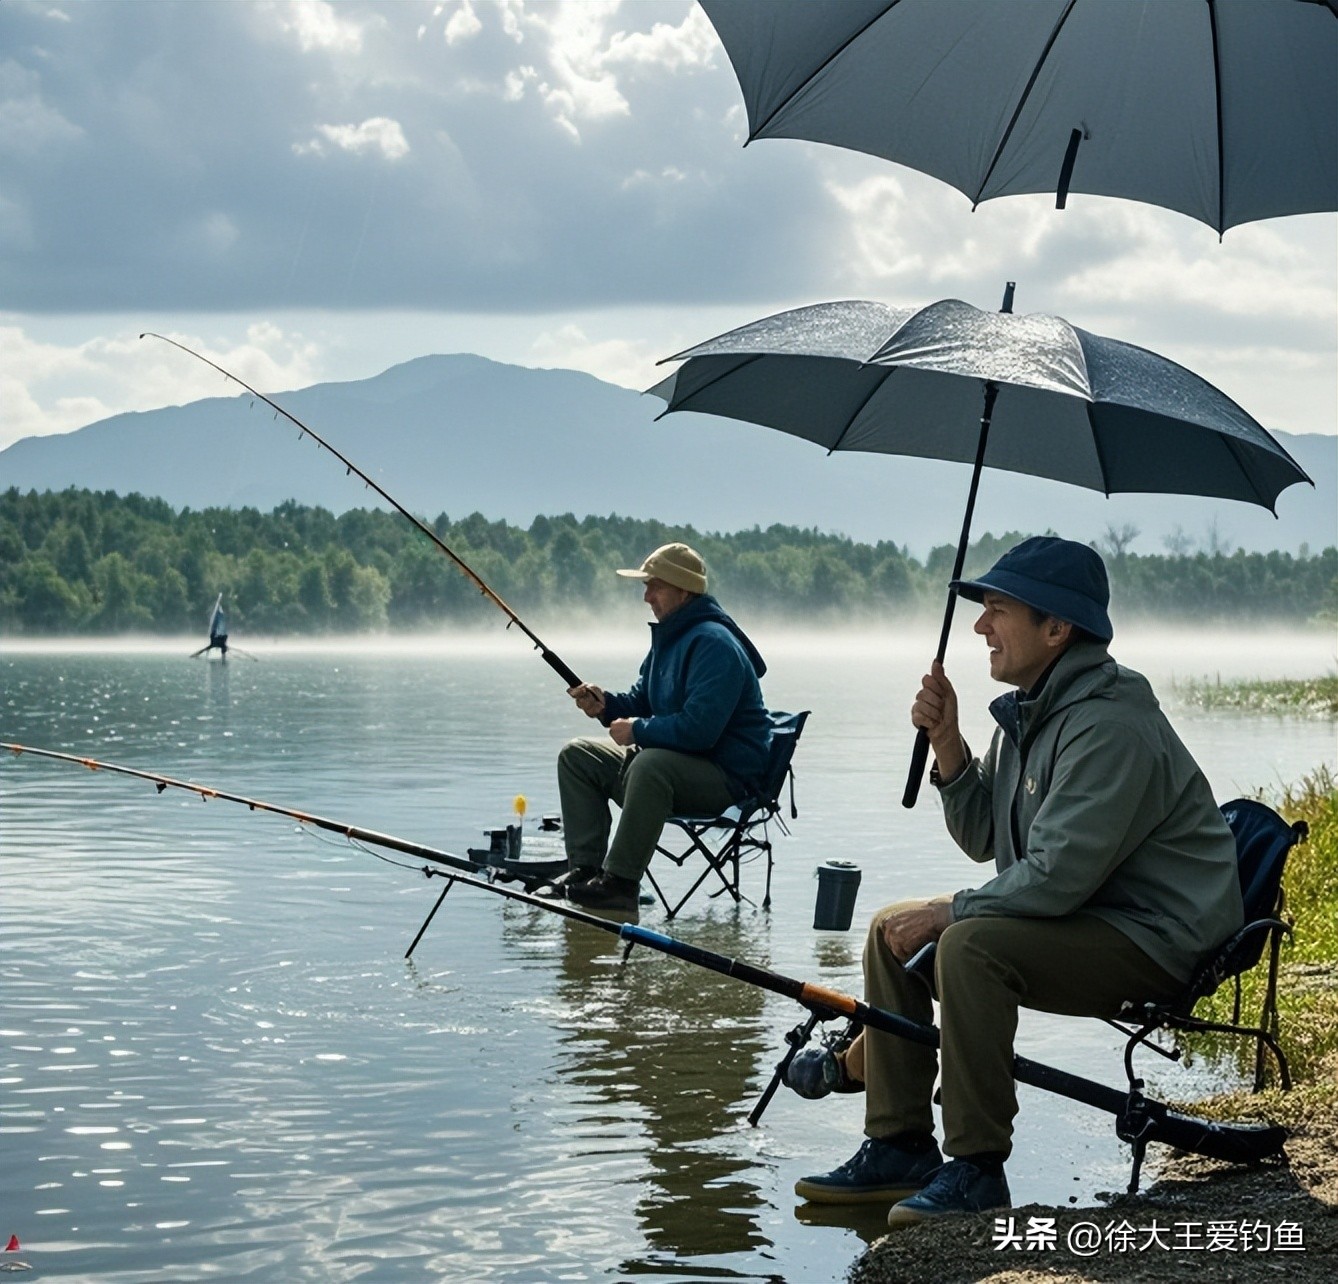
678 1046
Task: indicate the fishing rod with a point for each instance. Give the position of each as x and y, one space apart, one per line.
550 657
1139 1120
205 793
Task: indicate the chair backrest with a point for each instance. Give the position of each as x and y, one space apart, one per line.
786 729
1263 840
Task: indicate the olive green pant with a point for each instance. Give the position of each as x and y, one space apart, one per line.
649 785
985 969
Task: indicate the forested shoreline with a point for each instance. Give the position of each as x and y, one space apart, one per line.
85 562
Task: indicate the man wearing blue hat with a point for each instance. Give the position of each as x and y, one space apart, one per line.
1115 876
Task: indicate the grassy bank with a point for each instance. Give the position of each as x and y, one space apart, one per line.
1308 977
1313 697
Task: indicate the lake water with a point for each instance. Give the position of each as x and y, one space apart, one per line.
215 1061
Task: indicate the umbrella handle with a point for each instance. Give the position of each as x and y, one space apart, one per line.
920 752
919 756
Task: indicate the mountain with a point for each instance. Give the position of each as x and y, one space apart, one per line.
458 434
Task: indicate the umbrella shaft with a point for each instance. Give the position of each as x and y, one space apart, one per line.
920 751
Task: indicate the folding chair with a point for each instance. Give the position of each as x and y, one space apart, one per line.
1263 842
740 832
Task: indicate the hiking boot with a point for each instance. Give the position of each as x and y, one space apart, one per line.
815 1072
876 1173
575 875
958 1187
605 891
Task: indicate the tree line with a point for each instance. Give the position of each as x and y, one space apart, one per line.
86 562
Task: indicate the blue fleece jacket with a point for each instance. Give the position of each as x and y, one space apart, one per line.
698 692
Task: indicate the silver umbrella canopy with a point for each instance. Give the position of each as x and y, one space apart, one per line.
1024 393
1225 110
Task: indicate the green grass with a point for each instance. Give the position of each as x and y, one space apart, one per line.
1308 976
1311 697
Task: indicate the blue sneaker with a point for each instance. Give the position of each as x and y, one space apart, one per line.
876 1173
957 1187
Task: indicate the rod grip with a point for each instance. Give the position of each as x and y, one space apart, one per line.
919 756
555 663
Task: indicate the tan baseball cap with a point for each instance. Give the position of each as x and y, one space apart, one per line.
675 564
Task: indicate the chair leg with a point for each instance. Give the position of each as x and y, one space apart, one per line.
1133 1126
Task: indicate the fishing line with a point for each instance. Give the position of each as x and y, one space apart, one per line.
551 658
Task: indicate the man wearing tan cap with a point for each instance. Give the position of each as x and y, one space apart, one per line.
690 737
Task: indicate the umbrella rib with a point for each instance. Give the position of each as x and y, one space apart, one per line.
1233 450
1217 106
1096 448
859 410
822 66
724 374
1022 102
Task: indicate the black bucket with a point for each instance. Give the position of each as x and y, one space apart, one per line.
838 883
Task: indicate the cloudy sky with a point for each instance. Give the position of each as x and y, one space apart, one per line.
312 191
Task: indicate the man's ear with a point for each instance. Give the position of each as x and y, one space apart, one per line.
1058 632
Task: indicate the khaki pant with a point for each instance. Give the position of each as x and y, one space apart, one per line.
985 969
649 785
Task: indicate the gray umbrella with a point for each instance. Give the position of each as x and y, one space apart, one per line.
1225 110
1024 393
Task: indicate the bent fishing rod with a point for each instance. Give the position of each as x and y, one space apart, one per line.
1138 1119
550 657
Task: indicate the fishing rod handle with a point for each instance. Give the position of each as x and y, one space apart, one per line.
919 756
555 663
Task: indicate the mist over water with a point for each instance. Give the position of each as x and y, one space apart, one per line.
214 1060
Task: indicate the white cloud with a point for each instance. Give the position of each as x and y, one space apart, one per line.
581 56
626 362
463 24
50 388
513 86
658 219
690 45
317 25
376 134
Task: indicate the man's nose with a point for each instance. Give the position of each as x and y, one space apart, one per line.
980 626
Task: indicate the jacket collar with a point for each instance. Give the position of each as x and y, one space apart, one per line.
702 609
1077 674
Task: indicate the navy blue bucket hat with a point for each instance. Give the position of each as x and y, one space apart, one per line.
1057 576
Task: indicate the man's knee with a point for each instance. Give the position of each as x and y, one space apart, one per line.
971 945
581 764
880 916
651 767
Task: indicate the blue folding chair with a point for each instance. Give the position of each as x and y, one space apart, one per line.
740 833
1263 842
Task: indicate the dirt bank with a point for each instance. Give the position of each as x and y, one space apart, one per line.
1226 1223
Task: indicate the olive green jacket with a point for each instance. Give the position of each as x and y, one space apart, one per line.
1087 800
